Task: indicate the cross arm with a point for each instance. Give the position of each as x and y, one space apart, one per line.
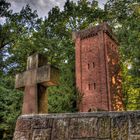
48 75
20 80
27 78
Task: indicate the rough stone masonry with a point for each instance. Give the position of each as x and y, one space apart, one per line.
98 73
79 126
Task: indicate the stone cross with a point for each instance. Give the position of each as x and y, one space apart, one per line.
34 81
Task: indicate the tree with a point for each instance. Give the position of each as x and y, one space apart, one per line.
124 16
16 29
10 106
55 37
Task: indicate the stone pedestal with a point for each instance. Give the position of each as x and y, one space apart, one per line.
79 126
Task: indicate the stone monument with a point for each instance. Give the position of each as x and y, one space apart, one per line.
98 74
34 81
78 126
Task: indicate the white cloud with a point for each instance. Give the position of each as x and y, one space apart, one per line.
42 3
42 6
2 20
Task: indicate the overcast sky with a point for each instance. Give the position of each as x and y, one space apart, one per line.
42 6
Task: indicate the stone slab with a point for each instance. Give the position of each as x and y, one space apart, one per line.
79 126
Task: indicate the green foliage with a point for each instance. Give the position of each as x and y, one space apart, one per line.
63 97
4 8
124 16
10 106
24 33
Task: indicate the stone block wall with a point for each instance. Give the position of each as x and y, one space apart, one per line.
79 126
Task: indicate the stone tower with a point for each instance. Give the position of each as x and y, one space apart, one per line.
97 69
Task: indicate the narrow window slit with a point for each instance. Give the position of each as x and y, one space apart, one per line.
94 85
93 65
89 86
112 47
88 66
